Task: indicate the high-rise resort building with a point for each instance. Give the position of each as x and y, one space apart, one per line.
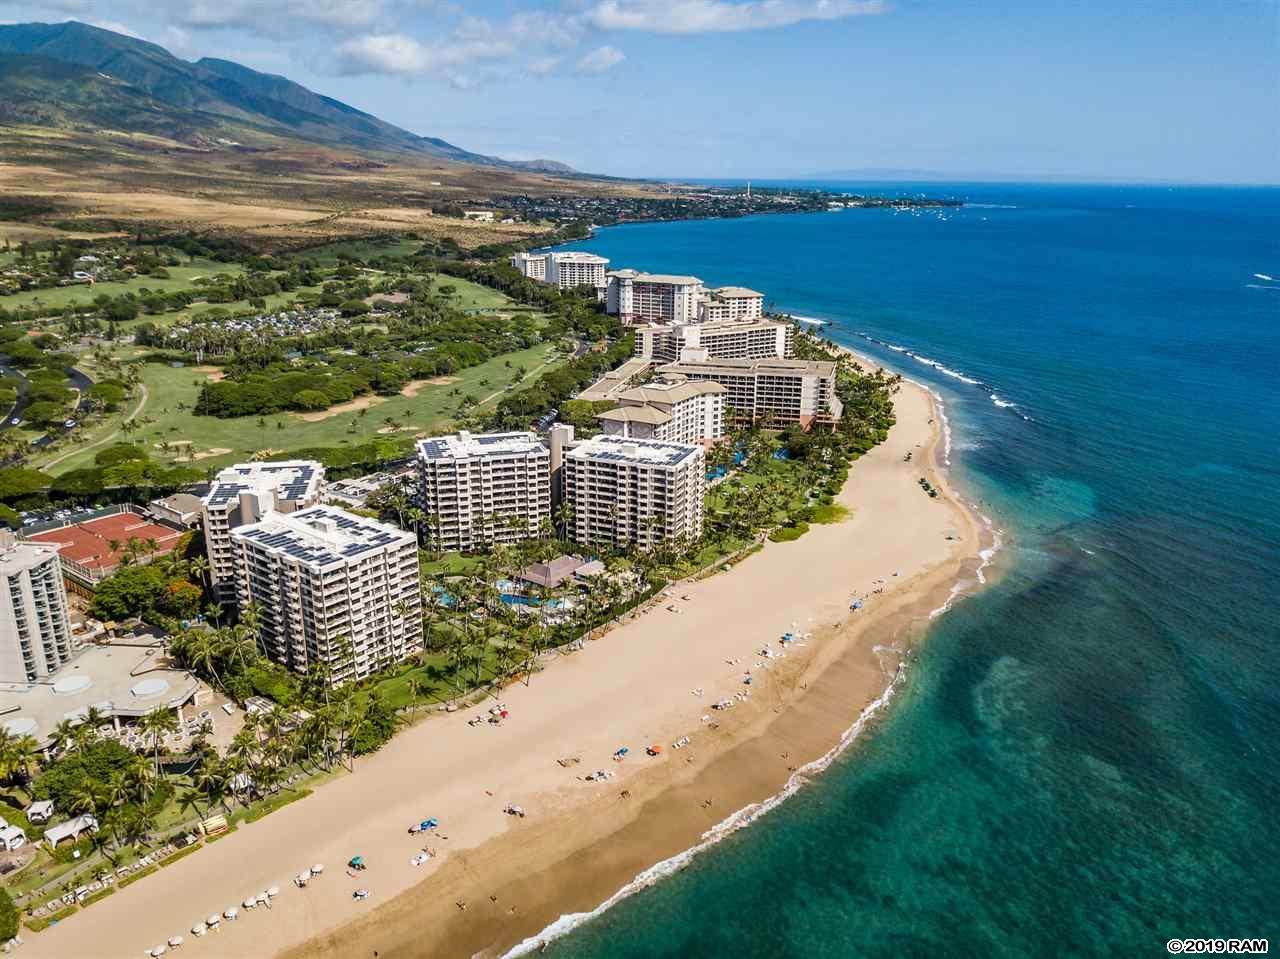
782 391
244 493
730 303
676 411
634 492
652 297
570 269
532 265
35 630
320 578
722 340
481 489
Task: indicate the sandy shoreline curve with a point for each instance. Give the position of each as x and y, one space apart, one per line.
498 880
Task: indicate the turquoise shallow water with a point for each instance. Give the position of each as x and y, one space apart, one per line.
1084 758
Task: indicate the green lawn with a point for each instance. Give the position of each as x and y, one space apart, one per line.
180 278
449 564
434 676
470 296
432 408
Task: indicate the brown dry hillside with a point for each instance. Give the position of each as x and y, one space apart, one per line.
54 180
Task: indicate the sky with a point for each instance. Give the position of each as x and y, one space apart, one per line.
1179 90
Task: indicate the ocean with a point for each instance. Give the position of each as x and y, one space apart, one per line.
1083 758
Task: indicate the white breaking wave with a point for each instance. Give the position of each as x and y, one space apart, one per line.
945 370
811 320
1003 404
1263 276
726 827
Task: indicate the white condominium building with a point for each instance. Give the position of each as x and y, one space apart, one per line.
35 631
729 340
321 576
532 265
782 391
244 493
569 269
633 491
653 297
675 411
482 489
730 303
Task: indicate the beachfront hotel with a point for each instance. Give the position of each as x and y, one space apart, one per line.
634 492
723 339
730 303
35 630
481 489
321 574
674 411
243 494
780 390
636 297
531 265
570 269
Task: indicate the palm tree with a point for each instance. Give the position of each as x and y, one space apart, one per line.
416 688
199 567
157 724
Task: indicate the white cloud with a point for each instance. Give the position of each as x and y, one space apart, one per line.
276 17
396 53
720 16
543 65
601 59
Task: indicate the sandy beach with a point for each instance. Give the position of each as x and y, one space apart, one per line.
497 879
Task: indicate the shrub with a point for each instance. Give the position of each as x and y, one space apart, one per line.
8 916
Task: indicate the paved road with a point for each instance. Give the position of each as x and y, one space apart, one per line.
21 403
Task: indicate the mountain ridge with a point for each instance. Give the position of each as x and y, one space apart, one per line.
140 87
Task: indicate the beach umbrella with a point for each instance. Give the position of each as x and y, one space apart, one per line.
159 950
356 861
250 902
214 919
317 869
301 878
175 942
232 912
198 929
273 891
261 898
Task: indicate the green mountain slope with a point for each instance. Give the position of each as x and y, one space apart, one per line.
75 75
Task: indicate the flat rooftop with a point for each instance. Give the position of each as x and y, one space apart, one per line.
621 449
321 535
464 445
576 256
119 680
737 293
293 479
771 366
15 557
667 279
88 543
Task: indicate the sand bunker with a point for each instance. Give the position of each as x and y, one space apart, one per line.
212 372
354 406
212 451
414 387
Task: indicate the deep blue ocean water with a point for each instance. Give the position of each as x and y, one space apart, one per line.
1085 757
